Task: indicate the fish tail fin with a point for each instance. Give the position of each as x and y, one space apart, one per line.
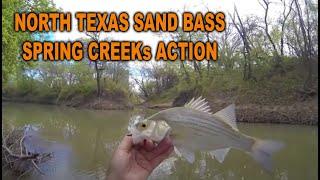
262 151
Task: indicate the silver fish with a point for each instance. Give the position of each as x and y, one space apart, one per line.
194 128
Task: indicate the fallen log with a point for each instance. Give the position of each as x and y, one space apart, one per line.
17 157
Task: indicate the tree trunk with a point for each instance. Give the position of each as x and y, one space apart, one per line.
97 78
306 49
187 76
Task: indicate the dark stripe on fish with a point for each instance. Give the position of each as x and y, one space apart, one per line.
197 129
207 126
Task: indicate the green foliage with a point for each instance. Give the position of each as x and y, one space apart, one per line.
116 90
229 84
11 40
62 82
229 76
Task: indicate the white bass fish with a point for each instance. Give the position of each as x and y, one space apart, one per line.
193 128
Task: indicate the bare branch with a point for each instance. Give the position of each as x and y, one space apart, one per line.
266 8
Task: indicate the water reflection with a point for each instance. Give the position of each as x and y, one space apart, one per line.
85 139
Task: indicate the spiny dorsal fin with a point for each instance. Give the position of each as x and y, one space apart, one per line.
228 115
199 104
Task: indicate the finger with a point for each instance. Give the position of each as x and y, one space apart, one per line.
143 162
157 160
151 152
140 145
145 147
166 141
148 145
126 144
161 148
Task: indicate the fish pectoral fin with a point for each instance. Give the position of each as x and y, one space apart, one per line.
219 154
186 153
177 151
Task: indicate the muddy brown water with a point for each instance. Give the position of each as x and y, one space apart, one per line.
83 140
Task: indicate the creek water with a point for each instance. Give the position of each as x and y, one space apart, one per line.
84 140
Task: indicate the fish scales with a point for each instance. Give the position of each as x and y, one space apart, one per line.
195 118
193 127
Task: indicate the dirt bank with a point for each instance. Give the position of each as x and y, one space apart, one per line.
303 113
102 103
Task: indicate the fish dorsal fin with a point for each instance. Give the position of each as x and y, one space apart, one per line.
199 104
186 153
219 154
228 115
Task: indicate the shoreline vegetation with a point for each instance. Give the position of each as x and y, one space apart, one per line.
269 69
279 99
299 113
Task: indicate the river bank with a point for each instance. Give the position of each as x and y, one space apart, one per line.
300 113
103 103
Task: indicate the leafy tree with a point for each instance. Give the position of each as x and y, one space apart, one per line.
11 41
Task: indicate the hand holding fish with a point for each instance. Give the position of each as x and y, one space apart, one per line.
137 161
